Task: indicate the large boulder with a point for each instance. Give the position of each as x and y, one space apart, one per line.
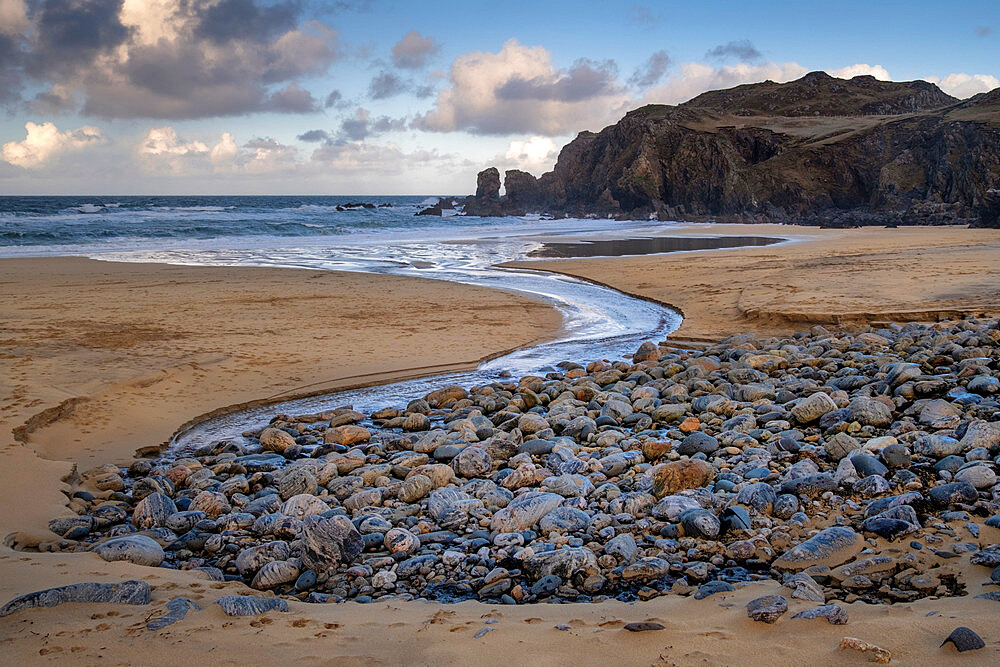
329 542
831 547
486 201
137 549
525 512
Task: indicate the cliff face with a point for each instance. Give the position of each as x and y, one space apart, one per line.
818 150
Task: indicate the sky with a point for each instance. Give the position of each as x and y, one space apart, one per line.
383 97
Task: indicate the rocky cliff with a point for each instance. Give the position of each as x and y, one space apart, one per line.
818 150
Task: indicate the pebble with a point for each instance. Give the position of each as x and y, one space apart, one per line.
834 614
789 458
964 639
644 626
767 609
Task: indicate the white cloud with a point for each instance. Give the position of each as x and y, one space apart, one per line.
861 69
164 141
44 141
965 85
163 150
518 90
171 59
696 78
224 153
535 155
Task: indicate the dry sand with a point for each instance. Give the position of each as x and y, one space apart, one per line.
204 338
824 276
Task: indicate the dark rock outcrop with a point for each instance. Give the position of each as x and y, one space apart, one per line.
819 150
989 210
486 201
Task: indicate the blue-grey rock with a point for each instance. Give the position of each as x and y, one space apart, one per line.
563 563
568 486
153 511
760 497
670 508
711 588
964 639
887 527
813 485
276 573
880 505
132 592
804 587
329 542
767 609
564 520
870 412
137 549
831 547
698 442
812 408
636 503
646 569
412 566
953 492
524 512
249 605
546 586
988 557
72 527
785 506
735 520
177 609
833 613
868 465
623 546
700 523
252 559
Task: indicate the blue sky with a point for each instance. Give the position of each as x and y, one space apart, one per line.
340 97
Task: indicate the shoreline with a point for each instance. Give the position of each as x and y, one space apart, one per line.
107 354
838 277
428 632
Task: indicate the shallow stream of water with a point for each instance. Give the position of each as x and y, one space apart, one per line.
599 322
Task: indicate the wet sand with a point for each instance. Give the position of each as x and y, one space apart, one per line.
830 277
59 336
98 359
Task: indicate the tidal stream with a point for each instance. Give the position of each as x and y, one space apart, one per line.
598 322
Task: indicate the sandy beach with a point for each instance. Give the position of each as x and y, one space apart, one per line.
99 359
825 276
